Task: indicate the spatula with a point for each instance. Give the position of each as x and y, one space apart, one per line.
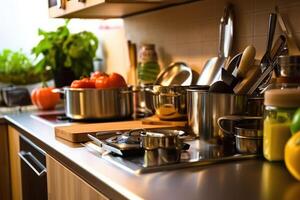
212 69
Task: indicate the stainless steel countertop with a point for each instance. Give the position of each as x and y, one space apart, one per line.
251 179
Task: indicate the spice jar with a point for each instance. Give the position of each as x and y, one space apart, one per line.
280 106
148 67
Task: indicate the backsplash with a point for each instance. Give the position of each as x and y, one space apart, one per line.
190 32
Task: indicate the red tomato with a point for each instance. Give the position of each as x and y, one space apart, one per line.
44 98
102 82
97 74
83 83
117 81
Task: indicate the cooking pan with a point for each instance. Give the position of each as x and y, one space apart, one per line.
101 104
212 68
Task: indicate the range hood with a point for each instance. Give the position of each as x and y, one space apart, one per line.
108 8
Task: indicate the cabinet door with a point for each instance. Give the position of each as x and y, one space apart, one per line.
4 163
15 167
65 185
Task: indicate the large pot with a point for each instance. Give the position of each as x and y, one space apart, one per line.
106 104
205 108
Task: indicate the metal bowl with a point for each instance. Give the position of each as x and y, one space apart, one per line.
249 141
177 73
170 102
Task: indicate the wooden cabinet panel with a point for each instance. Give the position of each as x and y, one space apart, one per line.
15 166
4 163
108 8
65 185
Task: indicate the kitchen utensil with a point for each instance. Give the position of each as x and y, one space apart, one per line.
220 87
132 76
248 140
177 73
289 66
77 132
275 52
271 30
246 62
229 79
143 101
228 123
170 102
293 49
250 78
16 96
90 103
234 63
126 144
204 109
212 69
163 147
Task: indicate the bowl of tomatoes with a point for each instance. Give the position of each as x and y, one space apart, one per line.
100 96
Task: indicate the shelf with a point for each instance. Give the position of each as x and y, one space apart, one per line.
110 8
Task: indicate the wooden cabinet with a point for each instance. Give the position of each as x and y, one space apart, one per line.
4 163
15 166
65 185
106 8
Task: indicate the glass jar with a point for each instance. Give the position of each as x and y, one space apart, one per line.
148 67
280 106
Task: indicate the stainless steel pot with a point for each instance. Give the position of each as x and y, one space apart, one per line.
143 100
170 102
205 108
85 103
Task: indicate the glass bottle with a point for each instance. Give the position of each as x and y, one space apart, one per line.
280 106
148 67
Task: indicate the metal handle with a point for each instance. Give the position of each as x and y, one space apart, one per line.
233 118
23 155
58 90
272 27
226 32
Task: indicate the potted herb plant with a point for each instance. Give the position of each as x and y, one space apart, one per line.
68 55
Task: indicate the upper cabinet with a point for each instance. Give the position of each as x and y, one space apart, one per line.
106 8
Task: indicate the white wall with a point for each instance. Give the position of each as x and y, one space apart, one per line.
20 20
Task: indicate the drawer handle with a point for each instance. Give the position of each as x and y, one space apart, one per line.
27 156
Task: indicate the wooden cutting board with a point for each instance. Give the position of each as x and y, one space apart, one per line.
154 120
78 132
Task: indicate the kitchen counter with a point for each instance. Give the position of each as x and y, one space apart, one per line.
250 179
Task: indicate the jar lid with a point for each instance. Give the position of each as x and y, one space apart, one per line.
289 60
285 98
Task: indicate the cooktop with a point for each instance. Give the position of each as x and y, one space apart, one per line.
200 153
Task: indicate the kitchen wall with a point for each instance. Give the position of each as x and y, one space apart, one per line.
190 32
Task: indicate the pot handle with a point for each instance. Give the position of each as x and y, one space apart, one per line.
58 90
234 118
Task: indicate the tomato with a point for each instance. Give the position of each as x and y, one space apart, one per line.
117 81
292 155
97 74
44 98
83 83
102 82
